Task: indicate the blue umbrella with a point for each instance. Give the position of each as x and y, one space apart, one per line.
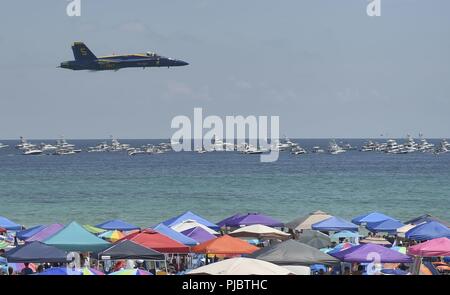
388 225
60 271
371 217
334 224
345 234
428 231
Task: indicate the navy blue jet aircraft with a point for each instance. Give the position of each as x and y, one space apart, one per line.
86 60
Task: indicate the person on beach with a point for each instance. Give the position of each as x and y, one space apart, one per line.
27 269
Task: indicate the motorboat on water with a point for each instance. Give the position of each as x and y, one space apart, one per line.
425 146
392 147
335 149
348 147
251 149
317 150
136 151
298 150
24 144
32 152
369 146
47 147
116 146
64 152
2 146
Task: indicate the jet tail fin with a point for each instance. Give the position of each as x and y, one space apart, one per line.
82 52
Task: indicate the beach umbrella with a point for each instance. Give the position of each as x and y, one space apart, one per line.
399 249
334 224
345 234
128 250
45 233
87 271
314 239
173 234
371 217
388 226
3 260
112 235
224 245
74 237
188 215
154 240
402 230
226 221
3 230
426 218
240 266
131 272
188 224
375 240
254 218
260 231
9 225
367 253
27 233
431 248
94 230
292 252
305 222
4 244
36 252
198 234
300 270
117 224
428 231
60 271
397 272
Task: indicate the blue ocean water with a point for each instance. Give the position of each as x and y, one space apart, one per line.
146 189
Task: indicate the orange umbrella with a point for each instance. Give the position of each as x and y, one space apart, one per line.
225 245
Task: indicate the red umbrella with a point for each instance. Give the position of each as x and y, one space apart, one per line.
2 230
156 241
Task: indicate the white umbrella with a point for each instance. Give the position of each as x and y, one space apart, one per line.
260 231
241 266
299 269
189 223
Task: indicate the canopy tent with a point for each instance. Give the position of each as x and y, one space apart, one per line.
188 224
74 237
154 240
240 266
300 270
341 247
225 245
371 217
401 231
314 239
29 232
375 240
428 231
94 230
334 224
388 226
367 253
260 231
291 252
426 218
225 221
36 252
198 234
431 248
129 250
60 271
112 235
45 233
254 218
88 271
345 234
305 222
117 224
173 234
3 230
171 222
9 225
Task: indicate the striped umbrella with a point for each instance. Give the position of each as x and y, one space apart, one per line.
112 235
131 272
87 271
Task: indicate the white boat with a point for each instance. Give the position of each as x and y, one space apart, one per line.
24 145
392 147
47 147
64 152
116 146
252 150
369 146
134 152
317 150
425 146
2 146
298 150
62 144
335 149
32 152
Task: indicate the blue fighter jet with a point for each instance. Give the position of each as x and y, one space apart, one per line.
86 60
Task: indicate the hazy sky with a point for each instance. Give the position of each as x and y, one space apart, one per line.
325 67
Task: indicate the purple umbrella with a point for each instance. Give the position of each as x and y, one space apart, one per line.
366 253
227 220
50 230
254 218
198 234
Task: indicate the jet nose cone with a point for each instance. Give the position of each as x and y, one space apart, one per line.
183 63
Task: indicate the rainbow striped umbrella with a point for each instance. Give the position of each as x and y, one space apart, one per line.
86 271
131 272
112 235
93 230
